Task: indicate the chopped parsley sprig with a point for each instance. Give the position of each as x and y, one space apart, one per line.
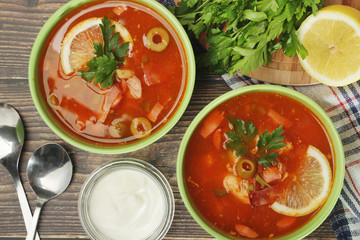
109 55
267 142
244 134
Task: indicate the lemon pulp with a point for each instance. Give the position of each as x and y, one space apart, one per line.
332 39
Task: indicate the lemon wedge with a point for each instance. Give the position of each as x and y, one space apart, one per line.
332 39
77 47
309 188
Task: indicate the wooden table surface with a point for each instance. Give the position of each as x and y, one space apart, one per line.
20 22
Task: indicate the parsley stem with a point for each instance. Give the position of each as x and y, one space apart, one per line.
260 180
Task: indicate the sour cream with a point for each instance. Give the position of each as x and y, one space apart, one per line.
127 204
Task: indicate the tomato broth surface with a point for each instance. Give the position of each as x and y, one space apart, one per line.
208 162
105 115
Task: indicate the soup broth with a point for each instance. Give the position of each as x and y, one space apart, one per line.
146 91
233 203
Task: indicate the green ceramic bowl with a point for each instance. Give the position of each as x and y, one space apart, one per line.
42 107
338 171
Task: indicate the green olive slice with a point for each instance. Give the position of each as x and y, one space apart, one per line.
246 168
157 39
140 127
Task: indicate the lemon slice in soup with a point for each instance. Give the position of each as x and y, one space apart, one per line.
309 188
77 47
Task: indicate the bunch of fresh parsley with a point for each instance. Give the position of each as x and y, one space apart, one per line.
244 134
109 55
254 30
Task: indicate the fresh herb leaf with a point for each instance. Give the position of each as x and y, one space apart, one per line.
298 47
270 141
110 38
218 60
98 49
244 134
268 6
255 29
254 15
101 70
109 55
267 159
248 59
121 51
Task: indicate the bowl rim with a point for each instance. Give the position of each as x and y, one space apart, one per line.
339 162
87 145
136 165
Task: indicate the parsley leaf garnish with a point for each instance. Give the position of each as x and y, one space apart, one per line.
255 29
270 141
244 134
101 70
109 55
241 136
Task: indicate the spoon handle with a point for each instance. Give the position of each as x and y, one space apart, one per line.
31 233
24 205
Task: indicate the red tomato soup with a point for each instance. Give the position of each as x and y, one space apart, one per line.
148 83
251 156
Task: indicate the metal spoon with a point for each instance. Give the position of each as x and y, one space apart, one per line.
49 171
11 143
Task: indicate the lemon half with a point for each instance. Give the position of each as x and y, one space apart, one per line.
332 39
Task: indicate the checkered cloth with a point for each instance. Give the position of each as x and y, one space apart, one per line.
342 105
167 3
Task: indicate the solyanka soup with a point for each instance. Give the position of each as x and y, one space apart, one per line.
113 72
259 165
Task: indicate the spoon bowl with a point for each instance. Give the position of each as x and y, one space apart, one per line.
11 136
49 171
